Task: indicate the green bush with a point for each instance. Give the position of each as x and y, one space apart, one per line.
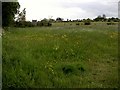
23 24
44 22
110 23
87 23
77 24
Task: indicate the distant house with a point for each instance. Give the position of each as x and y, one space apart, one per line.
34 22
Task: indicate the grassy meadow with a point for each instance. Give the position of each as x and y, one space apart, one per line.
65 55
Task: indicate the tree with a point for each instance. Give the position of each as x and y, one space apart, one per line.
21 16
104 16
44 22
9 9
59 19
51 20
101 18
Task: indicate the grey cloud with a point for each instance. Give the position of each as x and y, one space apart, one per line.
99 8
96 8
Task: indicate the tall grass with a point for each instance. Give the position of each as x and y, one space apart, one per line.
61 56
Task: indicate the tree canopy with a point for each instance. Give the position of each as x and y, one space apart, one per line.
9 9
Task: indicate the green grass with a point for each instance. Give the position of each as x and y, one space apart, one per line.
61 56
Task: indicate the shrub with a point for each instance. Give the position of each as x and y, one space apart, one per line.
28 24
23 24
44 23
110 23
87 23
19 24
77 24
49 24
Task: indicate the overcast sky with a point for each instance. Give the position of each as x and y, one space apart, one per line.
69 9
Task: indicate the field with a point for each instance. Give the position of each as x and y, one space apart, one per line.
65 55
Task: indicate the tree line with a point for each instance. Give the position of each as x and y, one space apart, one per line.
11 16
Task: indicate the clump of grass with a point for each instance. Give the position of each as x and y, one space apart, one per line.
71 69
